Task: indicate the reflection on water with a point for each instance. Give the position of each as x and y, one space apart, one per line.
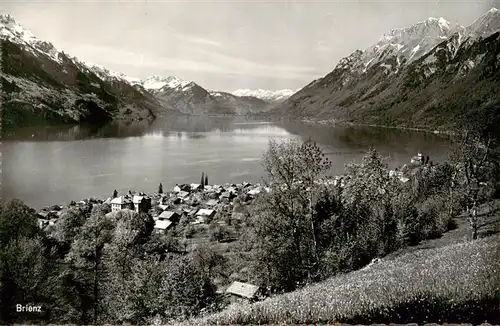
185 126
50 165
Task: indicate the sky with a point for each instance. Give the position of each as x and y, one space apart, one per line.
227 45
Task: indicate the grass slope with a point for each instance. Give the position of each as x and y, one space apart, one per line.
442 280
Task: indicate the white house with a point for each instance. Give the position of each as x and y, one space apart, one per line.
135 203
141 203
212 202
122 202
162 225
196 186
254 191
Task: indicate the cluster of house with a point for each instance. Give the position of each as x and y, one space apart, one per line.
199 203
195 201
182 197
420 159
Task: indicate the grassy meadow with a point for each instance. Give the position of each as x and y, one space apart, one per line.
455 283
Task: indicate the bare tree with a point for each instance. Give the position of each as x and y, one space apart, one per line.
474 167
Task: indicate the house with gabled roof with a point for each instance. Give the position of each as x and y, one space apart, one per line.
239 291
205 212
162 225
169 215
195 186
141 204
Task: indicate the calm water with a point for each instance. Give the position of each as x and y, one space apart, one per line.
45 166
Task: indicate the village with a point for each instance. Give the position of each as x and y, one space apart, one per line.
203 207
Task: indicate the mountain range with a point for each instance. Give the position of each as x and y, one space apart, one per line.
430 75
42 84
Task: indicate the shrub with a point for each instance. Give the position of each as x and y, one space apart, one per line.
219 233
429 217
408 230
189 231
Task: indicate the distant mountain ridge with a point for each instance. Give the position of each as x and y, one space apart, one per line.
426 75
157 82
41 84
190 98
266 95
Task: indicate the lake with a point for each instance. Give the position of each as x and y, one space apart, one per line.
54 165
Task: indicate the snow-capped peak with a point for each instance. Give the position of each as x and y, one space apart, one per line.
104 73
431 27
12 31
407 43
485 25
157 82
266 95
443 23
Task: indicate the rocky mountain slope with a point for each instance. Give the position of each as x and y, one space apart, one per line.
428 75
266 95
43 84
190 98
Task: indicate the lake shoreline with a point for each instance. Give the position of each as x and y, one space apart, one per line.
332 123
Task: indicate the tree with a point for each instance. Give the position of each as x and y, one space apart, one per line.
160 189
22 261
86 256
285 225
68 226
366 196
476 162
208 262
16 220
218 232
206 179
132 230
127 244
115 193
202 181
